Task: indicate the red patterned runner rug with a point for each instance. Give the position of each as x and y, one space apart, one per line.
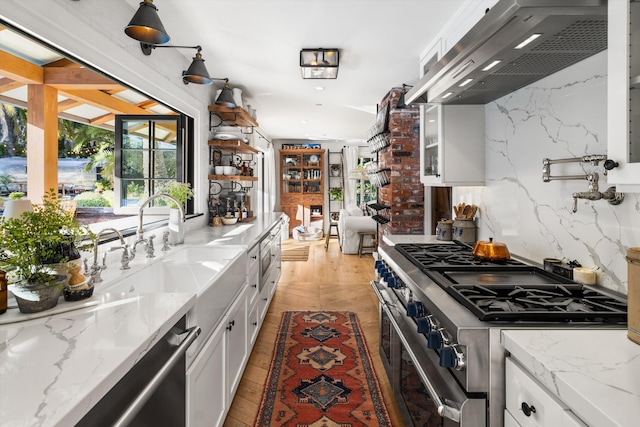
321 375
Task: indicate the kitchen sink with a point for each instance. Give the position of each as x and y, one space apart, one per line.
215 274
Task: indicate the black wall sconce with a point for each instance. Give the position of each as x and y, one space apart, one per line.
196 73
401 103
319 63
145 26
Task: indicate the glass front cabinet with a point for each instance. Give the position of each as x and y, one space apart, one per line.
452 141
623 106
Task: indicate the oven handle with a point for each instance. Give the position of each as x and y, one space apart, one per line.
444 410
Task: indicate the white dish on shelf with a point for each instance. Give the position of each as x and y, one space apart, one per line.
218 170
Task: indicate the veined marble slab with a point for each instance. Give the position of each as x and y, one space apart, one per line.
596 373
53 370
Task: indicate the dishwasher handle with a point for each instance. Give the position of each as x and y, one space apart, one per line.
138 403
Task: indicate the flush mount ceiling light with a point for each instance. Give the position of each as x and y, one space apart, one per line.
196 73
319 63
145 26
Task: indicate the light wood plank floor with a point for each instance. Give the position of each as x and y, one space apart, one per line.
327 281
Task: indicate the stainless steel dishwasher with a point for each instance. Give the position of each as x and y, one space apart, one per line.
153 392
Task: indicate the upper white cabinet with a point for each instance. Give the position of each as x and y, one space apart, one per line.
623 108
452 145
465 18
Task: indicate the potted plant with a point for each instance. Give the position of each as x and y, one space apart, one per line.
33 245
181 191
335 193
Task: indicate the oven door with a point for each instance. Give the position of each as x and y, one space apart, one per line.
427 394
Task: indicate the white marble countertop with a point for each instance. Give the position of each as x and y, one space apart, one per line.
55 368
596 373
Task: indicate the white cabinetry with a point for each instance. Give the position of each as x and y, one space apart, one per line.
452 145
214 376
207 398
528 403
623 106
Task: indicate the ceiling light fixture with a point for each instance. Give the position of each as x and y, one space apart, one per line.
466 82
446 95
196 73
319 63
401 103
145 26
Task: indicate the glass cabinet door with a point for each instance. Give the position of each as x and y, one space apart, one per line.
431 141
292 172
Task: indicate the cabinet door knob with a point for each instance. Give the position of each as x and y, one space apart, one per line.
527 410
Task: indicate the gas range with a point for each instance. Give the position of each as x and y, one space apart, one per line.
448 309
512 290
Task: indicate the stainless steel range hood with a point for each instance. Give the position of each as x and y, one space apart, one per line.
569 31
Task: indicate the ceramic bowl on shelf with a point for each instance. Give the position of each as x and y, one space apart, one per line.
229 220
218 170
230 170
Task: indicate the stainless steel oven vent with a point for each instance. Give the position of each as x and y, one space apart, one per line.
569 31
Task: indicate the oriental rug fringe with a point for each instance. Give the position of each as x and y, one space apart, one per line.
321 374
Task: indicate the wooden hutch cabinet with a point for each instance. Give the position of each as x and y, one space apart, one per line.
302 186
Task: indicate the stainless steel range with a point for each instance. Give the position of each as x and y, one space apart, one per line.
441 313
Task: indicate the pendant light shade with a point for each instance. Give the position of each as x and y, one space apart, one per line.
145 26
197 73
226 97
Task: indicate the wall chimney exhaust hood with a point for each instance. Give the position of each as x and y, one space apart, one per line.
493 60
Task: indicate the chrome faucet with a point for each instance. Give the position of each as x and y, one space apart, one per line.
148 243
613 197
96 269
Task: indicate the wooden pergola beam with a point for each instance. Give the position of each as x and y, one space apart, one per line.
20 70
7 84
102 100
76 78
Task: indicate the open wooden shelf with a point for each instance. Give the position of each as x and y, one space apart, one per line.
235 116
232 178
233 145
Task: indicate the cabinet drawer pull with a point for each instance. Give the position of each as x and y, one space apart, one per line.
254 285
527 410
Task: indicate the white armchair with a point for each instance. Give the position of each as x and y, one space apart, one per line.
350 223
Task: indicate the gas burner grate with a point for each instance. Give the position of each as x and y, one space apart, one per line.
428 256
547 303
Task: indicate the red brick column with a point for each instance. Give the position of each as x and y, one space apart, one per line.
404 194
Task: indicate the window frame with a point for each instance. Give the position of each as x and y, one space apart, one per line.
184 158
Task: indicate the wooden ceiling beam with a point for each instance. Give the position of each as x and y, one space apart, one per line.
76 78
68 104
102 119
102 100
20 70
7 84
63 63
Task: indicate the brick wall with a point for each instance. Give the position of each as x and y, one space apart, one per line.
404 193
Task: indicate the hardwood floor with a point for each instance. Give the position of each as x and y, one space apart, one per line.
327 281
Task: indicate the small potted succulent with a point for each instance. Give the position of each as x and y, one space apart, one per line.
33 245
335 193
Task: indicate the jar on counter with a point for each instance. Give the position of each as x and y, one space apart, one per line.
444 229
464 230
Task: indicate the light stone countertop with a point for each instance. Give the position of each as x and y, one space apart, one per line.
596 373
55 368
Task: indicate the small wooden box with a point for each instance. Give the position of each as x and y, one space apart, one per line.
633 295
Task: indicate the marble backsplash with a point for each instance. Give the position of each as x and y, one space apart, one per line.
561 116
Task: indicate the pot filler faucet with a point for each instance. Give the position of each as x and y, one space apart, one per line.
148 242
593 193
